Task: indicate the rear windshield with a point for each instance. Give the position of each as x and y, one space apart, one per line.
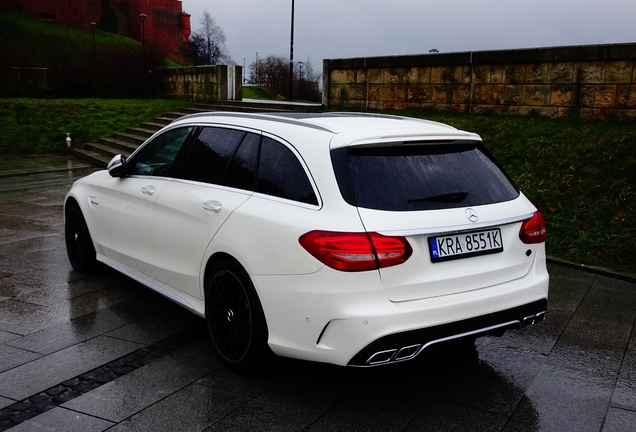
421 176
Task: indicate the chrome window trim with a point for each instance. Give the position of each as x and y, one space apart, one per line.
288 201
210 185
457 228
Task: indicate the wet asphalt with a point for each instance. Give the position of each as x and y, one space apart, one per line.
100 352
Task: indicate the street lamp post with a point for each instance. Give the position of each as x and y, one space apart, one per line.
94 57
291 54
93 24
143 33
300 80
255 79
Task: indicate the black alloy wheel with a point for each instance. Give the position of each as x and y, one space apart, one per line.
79 244
235 318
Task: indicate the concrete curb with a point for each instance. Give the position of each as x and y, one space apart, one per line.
592 269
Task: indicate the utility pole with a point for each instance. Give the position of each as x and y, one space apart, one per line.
291 55
143 33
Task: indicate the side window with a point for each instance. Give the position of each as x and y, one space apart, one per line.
210 154
241 171
156 157
281 174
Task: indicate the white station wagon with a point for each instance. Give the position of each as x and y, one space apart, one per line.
352 239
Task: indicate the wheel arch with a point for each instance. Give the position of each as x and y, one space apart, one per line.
70 200
223 260
213 260
218 257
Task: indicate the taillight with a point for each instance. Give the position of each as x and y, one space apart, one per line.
533 230
356 251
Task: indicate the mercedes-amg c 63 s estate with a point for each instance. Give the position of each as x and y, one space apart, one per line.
352 239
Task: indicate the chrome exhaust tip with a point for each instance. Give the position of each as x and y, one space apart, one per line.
533 319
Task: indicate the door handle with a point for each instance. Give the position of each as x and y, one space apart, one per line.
214 206
148 190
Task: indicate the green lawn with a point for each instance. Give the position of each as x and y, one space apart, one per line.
40 125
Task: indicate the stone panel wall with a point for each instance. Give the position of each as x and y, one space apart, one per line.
586 81
200 83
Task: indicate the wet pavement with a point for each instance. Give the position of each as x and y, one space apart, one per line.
100 352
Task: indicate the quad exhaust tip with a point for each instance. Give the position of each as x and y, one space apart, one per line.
409 352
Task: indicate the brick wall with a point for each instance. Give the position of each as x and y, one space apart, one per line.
587 81
166 26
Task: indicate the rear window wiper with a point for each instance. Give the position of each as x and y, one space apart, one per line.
450 197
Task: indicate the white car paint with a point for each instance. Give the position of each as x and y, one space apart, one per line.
163 232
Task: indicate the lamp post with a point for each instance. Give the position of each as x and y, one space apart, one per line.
291 54
256 78
300 80
94 25
94 59
143 33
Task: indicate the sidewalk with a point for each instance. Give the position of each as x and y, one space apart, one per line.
100 352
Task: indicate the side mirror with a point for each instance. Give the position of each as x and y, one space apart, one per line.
117 166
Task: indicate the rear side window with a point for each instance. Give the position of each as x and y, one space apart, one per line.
280 174
247 161
421 176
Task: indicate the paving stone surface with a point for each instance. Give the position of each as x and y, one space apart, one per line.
96 352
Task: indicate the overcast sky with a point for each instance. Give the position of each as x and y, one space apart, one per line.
330 29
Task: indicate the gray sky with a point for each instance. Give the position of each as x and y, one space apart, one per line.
330 29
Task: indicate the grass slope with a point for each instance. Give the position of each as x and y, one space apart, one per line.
27 42
40 125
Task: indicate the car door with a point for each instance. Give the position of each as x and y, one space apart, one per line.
217 177
127 204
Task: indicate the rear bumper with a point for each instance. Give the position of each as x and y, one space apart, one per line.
408 345
346 319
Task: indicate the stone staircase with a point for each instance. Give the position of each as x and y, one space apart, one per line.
101 152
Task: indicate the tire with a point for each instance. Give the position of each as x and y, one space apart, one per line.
235 317
79 244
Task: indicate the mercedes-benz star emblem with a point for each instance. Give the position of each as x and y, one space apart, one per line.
471 215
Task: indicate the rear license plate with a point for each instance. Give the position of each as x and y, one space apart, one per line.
465 245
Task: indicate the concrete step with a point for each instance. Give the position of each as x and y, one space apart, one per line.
153 126
132 138
110 147
120 146
253 105
102 151
97 159
141 131
236 108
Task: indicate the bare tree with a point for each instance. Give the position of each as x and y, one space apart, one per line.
307 81
271 72
208 43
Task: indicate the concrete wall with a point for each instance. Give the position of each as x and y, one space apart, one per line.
202 82
587 81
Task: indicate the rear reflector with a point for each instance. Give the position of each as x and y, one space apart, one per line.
533 230
356 251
